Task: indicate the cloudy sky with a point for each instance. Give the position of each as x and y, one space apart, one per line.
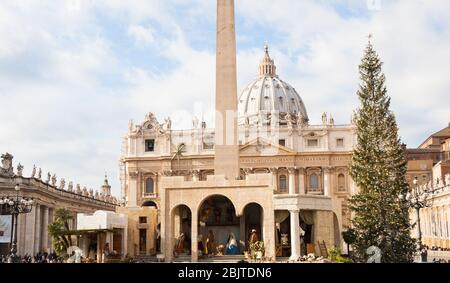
73 73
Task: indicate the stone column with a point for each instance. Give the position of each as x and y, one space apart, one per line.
327 182
268 224
291 172
30 224
37 232
45 237
50 221
194 236
301 181
274 172
295 234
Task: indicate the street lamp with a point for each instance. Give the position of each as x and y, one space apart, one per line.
417 199
15 205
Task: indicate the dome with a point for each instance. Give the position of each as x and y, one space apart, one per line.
269 94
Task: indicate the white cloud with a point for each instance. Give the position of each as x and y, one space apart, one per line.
142 35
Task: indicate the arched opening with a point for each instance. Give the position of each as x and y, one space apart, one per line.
149 186
149 203
253 223
219 228
181 230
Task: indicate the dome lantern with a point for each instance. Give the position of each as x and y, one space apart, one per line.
267 66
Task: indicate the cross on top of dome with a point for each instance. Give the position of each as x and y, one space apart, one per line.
267 67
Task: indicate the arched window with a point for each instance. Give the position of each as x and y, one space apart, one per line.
283 183
314 182
149 186
341 183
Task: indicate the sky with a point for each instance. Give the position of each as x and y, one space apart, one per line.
73 73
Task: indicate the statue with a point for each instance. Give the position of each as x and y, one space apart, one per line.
62 184
289 120
253 237
130 126
247 121
167 124
195 123
70 187
91 193
39 176
19 170
96 196
7 167
232 245
210 243
85 191
33 173
78 191
324 118
179 245
49 176
54 180
331 120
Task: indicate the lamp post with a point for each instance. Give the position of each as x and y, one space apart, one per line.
15 205
418 198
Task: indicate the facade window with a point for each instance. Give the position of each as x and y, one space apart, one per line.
282 142
313 142
149 186
142 220
341 183
283 183
340 142
314 182
150 145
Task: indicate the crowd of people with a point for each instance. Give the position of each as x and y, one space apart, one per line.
38 258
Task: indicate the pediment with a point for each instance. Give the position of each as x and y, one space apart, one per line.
264 147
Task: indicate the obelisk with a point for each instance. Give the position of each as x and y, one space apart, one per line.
226 160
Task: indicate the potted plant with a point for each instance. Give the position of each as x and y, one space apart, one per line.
257 250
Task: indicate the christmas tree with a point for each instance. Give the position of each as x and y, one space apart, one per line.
379 165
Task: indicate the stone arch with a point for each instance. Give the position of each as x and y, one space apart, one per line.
180 226
149 203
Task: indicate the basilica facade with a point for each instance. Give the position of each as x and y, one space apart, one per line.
292 187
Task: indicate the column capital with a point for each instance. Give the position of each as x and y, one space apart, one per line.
294 210
247 171
301 170
273 170
291 170
327 169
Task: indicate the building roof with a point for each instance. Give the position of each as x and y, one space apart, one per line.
444 133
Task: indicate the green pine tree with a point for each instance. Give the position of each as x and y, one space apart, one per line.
378 168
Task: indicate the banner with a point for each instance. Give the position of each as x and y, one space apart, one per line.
5 228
